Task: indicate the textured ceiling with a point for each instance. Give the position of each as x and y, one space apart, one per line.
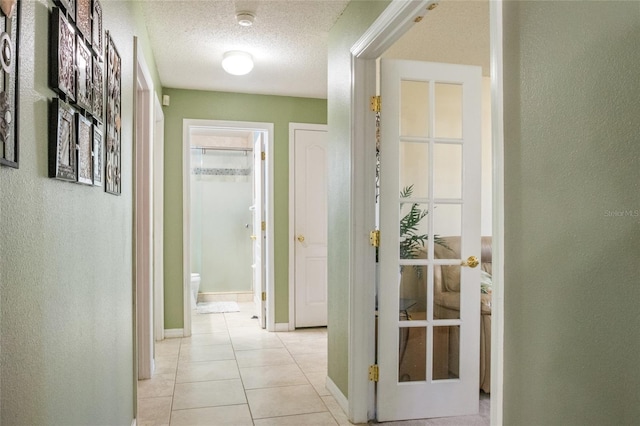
289 42
455 32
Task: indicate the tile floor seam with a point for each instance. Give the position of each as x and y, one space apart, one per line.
244 389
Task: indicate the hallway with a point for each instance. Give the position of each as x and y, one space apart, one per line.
230 372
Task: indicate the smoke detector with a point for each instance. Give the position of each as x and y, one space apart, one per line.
245 19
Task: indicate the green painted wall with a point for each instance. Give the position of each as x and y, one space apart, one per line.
190 104
572 213
355 20
65 260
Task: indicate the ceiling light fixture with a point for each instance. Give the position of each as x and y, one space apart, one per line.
237 62
245 19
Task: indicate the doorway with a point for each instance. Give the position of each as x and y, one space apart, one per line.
389 27
207 146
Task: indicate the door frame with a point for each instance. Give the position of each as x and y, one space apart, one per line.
158 221
143 215
292 203
268 264
392 23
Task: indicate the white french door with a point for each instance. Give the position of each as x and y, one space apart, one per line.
429 189
258 236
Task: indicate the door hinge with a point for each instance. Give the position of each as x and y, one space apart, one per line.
263 155
264 225
376 103
264 296
374 238
374 373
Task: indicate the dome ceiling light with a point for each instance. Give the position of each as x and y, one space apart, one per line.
245 19
237 62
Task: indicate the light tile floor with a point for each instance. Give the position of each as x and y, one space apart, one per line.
231 372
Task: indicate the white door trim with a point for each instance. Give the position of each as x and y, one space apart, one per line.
292 203
158 221
143 213
497 149
187 124
388 28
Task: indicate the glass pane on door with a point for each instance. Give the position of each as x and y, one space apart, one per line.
446 352
447 171
412 353
414 229
414 108
414 169
448 110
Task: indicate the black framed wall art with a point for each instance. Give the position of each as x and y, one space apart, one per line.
96 27
84 76
113 164
62 63
68 6
9 43
62 141
77 75
84 146
97 156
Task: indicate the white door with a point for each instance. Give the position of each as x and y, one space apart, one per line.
430 187
310 224
259 235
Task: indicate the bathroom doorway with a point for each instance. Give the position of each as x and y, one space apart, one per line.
227 184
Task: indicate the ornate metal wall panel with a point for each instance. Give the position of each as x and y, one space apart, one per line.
113 181
9 31
62 140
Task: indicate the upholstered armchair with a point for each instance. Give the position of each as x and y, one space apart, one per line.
446 283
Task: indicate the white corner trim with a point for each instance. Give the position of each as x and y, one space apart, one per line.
173 333
281 326
392 23
337 395
292 247
497 126
133 422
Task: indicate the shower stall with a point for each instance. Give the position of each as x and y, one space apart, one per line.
221 221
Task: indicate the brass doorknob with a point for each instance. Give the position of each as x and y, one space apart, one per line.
471 262
301 238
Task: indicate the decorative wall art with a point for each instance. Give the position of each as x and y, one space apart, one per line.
84 77
97 39
97 156
9 31
85 154
69 6
83 18
98 90
77 75
62 140
113 167
62 56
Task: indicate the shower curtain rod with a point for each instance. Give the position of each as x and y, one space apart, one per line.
226 148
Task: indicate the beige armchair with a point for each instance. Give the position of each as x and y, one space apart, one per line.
446 282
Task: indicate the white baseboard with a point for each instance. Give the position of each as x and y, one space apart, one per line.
173 333
133 422
228 296
282 326
342 400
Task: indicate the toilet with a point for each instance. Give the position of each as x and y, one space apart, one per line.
195 286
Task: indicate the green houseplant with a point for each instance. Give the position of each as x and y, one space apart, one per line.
411 241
